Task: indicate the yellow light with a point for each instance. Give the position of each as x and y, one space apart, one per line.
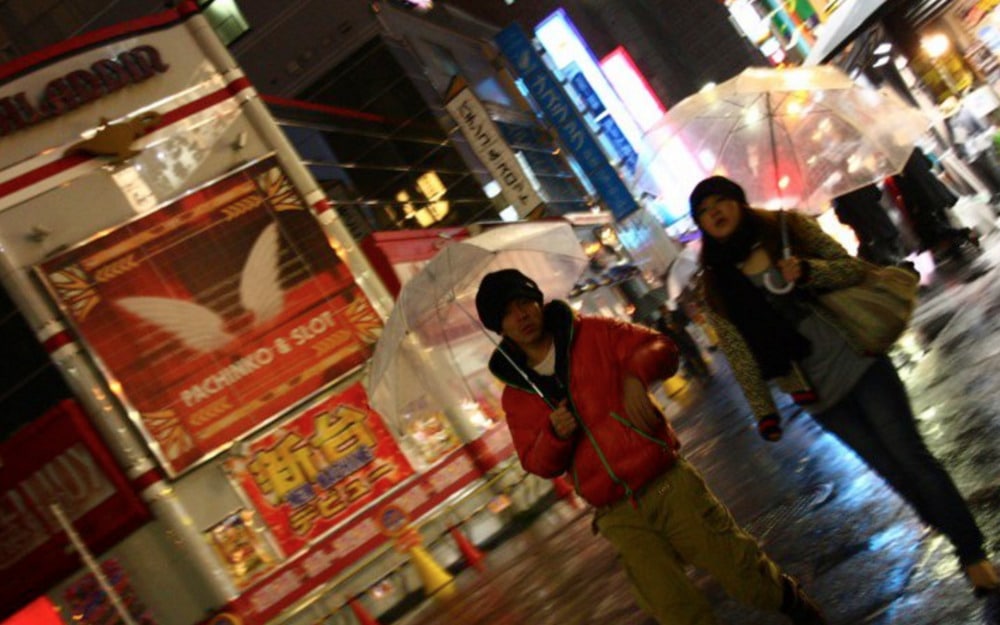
431 186
935 44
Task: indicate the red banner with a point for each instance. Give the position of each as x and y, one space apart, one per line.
279 589
57 459
319 468
216 313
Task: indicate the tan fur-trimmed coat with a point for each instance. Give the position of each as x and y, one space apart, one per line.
830 268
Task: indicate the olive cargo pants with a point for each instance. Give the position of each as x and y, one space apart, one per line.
677 521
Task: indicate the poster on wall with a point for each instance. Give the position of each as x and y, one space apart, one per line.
314 471
240 546
89 604
216 313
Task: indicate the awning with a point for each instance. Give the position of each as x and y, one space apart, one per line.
851 17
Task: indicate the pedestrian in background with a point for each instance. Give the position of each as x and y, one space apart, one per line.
673 322
789 338
576 401
926 201
879 240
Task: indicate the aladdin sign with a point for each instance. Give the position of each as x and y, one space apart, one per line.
80 87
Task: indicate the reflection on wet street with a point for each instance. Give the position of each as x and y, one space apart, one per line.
818 511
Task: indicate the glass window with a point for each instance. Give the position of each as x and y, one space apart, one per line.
226 19
391 145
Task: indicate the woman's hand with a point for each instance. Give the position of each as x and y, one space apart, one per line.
792 269
769 428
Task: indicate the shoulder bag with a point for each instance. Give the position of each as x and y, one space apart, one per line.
877 311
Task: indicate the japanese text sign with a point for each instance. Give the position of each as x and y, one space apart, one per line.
321 467
560 111
486 141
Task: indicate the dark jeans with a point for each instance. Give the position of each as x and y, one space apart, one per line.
876 421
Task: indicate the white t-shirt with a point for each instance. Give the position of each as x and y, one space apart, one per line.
547 366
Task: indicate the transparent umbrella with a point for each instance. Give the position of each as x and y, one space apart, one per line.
792 137
681 271
433 350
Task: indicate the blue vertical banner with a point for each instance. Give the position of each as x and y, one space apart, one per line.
587 93
605 121
624 149
561 113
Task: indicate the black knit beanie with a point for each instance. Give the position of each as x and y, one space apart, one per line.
715 185
497 289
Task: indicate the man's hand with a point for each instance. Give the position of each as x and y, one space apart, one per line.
639 407
563 421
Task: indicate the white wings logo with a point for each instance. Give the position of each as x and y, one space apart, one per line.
204 330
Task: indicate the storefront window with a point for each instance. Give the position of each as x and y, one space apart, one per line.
941 68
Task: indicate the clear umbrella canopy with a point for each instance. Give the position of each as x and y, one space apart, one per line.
792 137
682 271
433 351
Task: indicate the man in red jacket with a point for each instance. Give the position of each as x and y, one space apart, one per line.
576 401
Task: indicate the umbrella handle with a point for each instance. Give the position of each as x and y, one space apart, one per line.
778 289
786 245
786 252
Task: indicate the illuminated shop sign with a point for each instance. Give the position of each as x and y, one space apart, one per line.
610 130
318 469
585 91
216 313
58 458
637 96
621 145
80 87
560 111
486 141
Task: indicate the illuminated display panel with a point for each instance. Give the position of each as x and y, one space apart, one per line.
568 50
320 468
216 313
636 94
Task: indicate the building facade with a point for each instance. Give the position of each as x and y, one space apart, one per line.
362 93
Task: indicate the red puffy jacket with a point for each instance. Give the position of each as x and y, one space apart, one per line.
607 457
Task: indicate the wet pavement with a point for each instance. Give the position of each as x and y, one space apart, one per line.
817 510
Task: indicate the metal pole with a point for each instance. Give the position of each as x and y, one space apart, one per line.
786 247
91 563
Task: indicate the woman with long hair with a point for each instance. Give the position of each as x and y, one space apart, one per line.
761 273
